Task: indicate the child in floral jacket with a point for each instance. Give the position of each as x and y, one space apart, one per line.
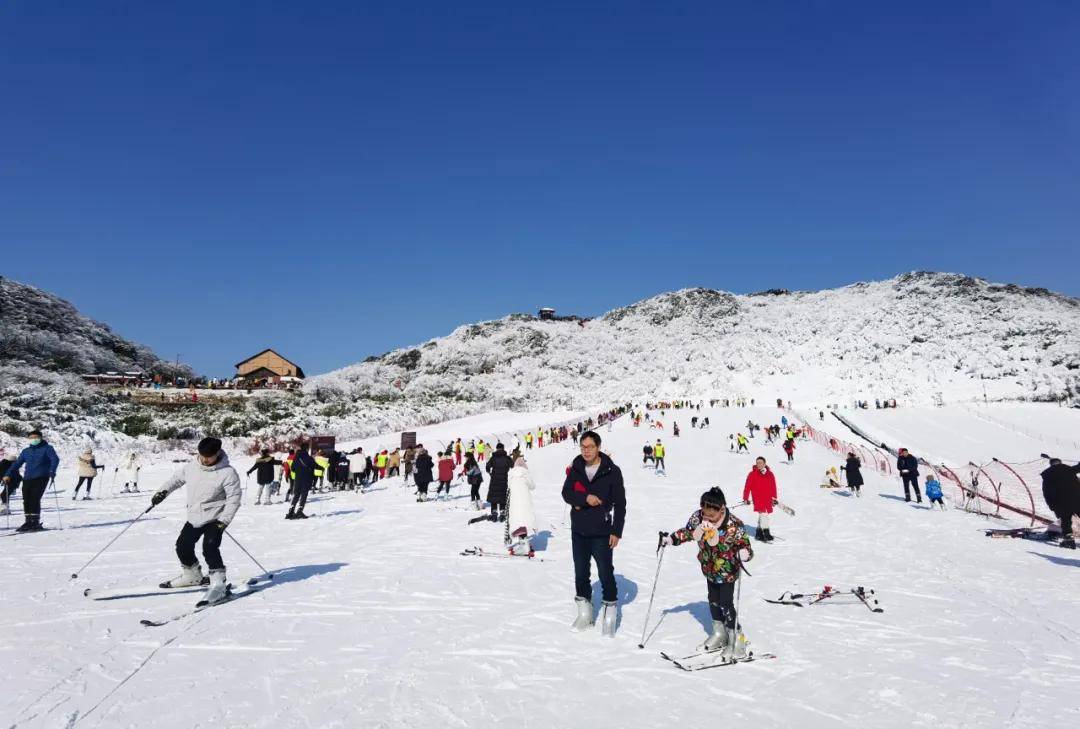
720 537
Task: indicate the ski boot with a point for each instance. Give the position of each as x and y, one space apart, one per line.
737 648
609 613
768 535
1068 542
189 577
217 591
584 618
719 638
300 515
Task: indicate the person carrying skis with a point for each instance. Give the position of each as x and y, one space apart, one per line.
88 469
213 498
264 464
851 469
594 490
760 490
498 469
423 476
908 466
1061 489
446 472
41 463
303 474
520 515
721 539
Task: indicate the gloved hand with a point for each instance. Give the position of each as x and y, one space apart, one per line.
158 497
219 524
665 540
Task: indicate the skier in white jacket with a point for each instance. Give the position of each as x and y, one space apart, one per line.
213 497
521 517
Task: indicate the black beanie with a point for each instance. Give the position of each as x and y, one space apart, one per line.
713 497
209 447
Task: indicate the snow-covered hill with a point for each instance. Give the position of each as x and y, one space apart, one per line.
921 338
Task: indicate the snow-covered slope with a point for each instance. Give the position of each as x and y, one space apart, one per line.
921 338
375 620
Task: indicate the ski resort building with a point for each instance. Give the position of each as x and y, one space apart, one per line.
268 369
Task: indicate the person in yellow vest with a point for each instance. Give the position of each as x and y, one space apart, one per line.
539 438
380 463
323 463
658 454
742 443
457 451
528 441
480 448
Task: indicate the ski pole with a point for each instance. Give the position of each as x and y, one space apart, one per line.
75 574
269 575
656 580
57 497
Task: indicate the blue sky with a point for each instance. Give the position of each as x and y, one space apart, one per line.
338 179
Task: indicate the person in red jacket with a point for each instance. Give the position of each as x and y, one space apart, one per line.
760 489
446 472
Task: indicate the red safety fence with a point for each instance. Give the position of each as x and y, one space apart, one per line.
994 488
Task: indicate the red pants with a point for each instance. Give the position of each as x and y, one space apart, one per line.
457 458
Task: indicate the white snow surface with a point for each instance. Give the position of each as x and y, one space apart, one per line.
375 620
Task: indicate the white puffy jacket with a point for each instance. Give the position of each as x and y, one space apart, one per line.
213 492
519 504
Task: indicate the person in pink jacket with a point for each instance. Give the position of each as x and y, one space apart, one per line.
760 490
446 472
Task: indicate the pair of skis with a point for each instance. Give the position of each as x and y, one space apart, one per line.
250 587
481 552
712 659
866 597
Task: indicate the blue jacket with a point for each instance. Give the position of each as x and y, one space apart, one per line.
933 488
40 460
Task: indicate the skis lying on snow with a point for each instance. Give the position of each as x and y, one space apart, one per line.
1039 535
480 552
255 584
712 659
862 594
120 593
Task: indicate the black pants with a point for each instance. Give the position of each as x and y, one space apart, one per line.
1066 523
586 549
211 545
645 459
394 471
299 496
498 509
89 482
722 602
474 491
660 463
33 489
443 485
911 481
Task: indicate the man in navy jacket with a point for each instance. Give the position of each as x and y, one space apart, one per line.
41 463
594 490
908 466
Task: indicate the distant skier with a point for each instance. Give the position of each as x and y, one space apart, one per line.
760 490
852 469
129 472
720 537
594 490
446 473
1061 489
264 464
648 454
9 486
933 492
213 498
908 466
41 463
475 477
423 476
658 453
742 443
498 469
303 472
789 449
87 470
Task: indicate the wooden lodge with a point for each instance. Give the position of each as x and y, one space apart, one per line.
268 369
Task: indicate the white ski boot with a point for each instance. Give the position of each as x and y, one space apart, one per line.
217 591
609 613
738 647
719 638
189 577
521 547
584 618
